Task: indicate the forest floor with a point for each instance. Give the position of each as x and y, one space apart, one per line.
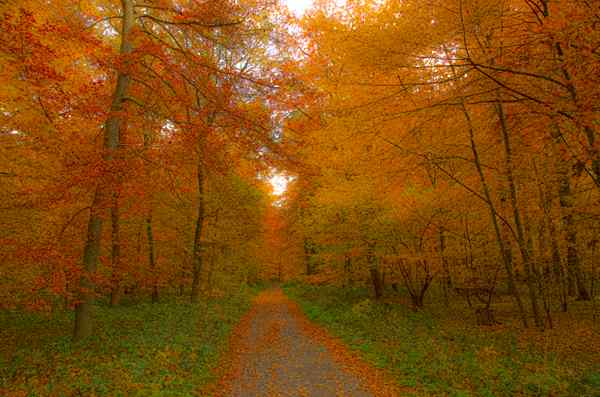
168 348
440 351
303 340
277 351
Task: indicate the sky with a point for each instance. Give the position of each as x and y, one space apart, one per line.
278 181
298 6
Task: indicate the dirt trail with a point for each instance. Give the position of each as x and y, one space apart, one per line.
276 351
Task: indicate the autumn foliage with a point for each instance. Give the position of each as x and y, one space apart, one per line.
451 145
131 136
435 151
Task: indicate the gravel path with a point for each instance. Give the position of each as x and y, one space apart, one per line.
278 357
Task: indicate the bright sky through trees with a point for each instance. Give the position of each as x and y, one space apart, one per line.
278 181
298 6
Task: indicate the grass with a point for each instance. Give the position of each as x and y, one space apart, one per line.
439 355
142 349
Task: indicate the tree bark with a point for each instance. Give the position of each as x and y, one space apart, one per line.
376 281
594 245
494 218
104 190
83 310
565 196
546 199
446 279
149 222
374 272
151 258
307 254
197 249
521 239
492 209
115 295
348 269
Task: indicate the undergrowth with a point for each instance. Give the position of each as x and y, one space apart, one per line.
438 357
141 349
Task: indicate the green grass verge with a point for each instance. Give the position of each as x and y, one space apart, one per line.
441 358
143 349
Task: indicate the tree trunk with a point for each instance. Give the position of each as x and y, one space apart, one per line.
494 218
485 316
446 279
521 239
149 223
375 274
539 275
594 244
557 269
587 129
209 276
151 258
376 281
573 262
83 310
197 249
546 198
469 262
115 295
104 190
307 256
492 209
417 301
348 269
565 196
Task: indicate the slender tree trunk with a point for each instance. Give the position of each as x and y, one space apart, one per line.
115 295
149 223
211 268
591 134
417 287
104 190
573 261
555 260
425 282
151 258
521 239
565 196
446 279
197 249
468 247
348 269
557 269
538 271
587 129
307 253
594 244
280 270
83 310
376 280
375 274
594 155
494 218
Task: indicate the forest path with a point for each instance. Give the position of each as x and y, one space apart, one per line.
277 351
